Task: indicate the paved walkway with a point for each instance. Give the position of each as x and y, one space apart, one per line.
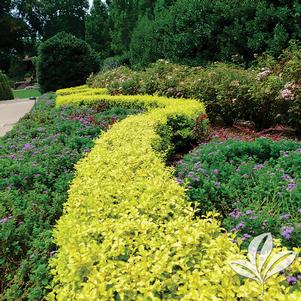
11 111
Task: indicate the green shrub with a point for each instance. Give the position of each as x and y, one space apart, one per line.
256 185
65 61
119 80
5 90
267 94
115 61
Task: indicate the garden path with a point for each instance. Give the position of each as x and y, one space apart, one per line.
11 111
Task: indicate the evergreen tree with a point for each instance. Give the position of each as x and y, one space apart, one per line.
65 15
12 32
142 52
123 18
98 28
146 8
48 17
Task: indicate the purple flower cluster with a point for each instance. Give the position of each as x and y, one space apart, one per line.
5 219
27 146
236 213
258 166
291 186
246 236
238 227
215 171
285 216
180 181
291 280
286 177
287 232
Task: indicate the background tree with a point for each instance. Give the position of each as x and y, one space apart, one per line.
123 18
98 28
196 32
65 15
5 90
12 31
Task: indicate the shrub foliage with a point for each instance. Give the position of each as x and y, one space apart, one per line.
128 233
266 94
195 32
255 185
36 166
5 90
65 61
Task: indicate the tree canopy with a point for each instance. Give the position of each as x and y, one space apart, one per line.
192 32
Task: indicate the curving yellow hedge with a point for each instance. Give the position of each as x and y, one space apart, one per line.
82 90
128 233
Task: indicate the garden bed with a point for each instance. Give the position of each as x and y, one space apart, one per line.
37 161
136 237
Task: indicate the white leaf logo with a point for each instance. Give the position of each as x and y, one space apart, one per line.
278 263
261 266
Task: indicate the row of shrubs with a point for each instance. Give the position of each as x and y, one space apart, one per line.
267 94
36 166
128 233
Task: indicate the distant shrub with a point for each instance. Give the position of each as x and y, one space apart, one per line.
65 61
5 90
267 94
119 80
198 32
115 61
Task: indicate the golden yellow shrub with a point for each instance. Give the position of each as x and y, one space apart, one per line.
128 233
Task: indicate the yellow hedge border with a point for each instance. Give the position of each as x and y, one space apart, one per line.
128 233
82 90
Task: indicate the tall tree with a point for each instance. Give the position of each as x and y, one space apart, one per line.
123 18
98 28
48 17
12 31
65 15
146 8
31 11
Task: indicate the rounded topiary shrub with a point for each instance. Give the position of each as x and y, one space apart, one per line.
5 90
65 61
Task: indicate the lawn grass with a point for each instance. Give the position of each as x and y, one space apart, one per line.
26 93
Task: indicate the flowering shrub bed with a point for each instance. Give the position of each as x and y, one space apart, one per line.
266 94
255 185
127 232
36 167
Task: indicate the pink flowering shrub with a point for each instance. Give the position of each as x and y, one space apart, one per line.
266 94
